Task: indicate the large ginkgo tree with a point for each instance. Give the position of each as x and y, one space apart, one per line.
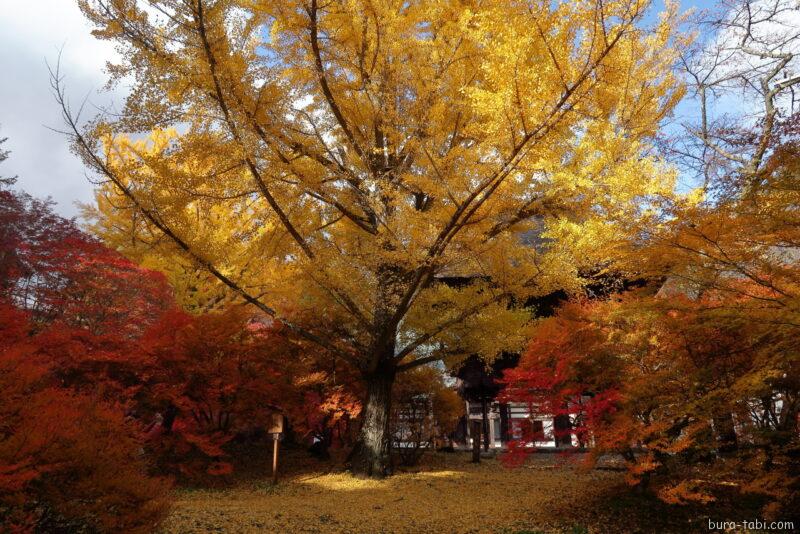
343 157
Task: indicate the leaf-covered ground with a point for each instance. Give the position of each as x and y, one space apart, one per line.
447 494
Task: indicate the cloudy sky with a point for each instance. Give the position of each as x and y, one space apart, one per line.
32 31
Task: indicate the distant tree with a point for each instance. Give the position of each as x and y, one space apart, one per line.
5 182
743 75
52 268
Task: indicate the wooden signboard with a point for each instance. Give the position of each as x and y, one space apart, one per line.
276 426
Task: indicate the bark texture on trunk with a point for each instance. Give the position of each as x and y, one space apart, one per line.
371 456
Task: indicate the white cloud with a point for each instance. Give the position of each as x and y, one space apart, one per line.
30 33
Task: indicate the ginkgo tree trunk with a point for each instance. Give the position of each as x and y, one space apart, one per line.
339 158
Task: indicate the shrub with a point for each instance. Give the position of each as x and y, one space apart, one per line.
68 461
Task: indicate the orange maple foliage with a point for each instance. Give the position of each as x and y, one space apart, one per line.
684 388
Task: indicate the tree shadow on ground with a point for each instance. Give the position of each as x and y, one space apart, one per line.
620 508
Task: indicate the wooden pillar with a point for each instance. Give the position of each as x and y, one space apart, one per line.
275 430
275 445
562 431
485 422
505 411
475 433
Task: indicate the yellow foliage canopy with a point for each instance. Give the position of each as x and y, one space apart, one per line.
341 157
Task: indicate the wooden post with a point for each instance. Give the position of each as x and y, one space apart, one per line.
275 445
275 430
